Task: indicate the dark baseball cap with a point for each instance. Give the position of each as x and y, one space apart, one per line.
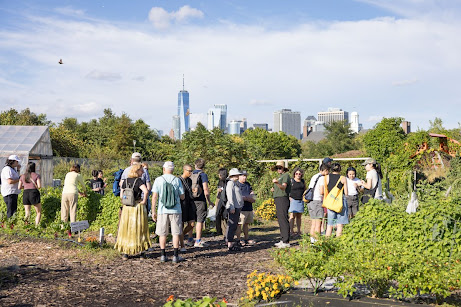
327 160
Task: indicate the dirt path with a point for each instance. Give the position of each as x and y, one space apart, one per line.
42 273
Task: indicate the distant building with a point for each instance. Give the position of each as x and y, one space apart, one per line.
176 128
183 110
214 119
171 134
406 126
308 125
355 125
223 119
288 121
234 127
262 126
333 115
243 125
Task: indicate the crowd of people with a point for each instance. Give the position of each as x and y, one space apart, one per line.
180 204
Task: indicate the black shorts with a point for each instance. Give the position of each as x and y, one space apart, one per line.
31 197
189 211
201 210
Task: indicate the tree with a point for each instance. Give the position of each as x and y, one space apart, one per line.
339 136
384 139
23 118
266 145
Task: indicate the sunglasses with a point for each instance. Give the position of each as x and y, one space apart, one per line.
298 173
279 167
189 170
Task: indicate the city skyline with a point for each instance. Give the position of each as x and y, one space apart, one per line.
378 58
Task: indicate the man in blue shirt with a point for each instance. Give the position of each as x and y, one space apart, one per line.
168 217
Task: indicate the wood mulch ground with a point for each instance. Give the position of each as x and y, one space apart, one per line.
36 272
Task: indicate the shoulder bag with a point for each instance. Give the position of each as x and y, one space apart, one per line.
334 199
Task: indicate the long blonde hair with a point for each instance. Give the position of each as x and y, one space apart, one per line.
134 171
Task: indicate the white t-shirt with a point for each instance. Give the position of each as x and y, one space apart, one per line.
317 195
373 175
9 173
351 189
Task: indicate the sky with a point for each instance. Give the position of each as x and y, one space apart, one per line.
380 58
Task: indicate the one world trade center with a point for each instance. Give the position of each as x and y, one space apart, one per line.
183 110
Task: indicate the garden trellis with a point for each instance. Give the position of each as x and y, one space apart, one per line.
30 143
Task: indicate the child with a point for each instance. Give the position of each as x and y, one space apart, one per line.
97 184
352 198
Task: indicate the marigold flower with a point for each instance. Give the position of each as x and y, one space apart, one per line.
170 298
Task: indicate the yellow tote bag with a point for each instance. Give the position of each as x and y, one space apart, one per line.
334 199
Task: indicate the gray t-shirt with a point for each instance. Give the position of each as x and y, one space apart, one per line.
9 173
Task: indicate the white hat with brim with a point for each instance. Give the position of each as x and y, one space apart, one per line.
369 161
14 158
135 155
234 172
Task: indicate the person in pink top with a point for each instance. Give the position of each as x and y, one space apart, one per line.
30 182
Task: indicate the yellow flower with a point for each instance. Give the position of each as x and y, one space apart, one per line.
267 289
257 293
275 286
296 283
272 293
287 285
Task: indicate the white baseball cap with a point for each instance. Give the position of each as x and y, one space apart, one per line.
14 158
135 155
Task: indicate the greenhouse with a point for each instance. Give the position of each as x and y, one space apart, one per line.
30 143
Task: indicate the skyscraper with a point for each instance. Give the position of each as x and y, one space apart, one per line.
214 118
183 110
288 121
234 127
223 121
176 127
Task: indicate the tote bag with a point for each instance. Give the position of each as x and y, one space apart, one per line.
334 199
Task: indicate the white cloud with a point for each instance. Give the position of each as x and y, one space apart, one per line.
161 19
139 78
405 82
106 76
69 11
304 68
259 102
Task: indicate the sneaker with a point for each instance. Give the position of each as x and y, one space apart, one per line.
177 259
283 245
183 249
163 259
200 244
124 257
150 249
278 243
189 243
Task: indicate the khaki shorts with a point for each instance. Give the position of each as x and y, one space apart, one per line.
246 217
164 221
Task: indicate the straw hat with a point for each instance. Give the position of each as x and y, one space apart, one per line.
280 163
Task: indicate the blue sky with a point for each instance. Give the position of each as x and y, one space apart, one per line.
378 58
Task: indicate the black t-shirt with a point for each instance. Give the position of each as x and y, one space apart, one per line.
333 178
136 189
297 189
97 183
187 184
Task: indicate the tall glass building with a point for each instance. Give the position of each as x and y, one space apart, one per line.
176 127
183 110
223 120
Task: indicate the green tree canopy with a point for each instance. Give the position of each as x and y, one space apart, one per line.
266 145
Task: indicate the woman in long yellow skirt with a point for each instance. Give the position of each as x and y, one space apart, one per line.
133 231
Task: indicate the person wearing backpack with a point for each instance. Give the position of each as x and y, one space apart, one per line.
201 193
334 179
10 179
169 192
315 205
133 232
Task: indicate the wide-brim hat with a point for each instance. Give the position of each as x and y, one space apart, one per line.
280 163
234 172
369 161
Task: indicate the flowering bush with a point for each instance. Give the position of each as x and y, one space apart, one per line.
267 210
205 302
266 287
